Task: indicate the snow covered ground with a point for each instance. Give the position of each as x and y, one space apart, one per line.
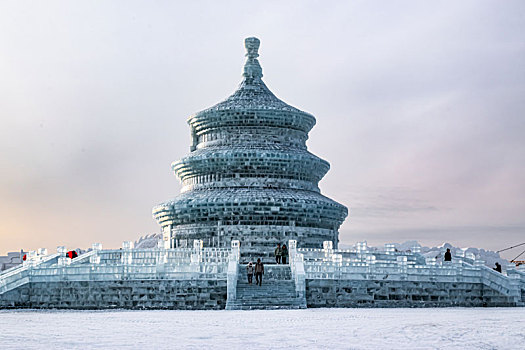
449 328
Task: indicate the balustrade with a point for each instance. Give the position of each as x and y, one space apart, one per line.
198 262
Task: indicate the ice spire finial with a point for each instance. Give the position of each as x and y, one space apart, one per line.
252 68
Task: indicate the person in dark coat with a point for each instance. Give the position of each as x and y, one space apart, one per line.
259 272
448 255
249 270
277 252
498 267
72 254
284 254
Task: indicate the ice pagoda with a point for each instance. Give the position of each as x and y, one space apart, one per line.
250 183
249 175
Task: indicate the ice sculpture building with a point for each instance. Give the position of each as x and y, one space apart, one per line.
249 182
249 175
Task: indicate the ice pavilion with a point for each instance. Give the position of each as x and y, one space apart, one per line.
249 175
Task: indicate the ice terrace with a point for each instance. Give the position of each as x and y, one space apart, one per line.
221 264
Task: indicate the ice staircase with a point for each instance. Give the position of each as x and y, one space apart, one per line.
277 290
21 274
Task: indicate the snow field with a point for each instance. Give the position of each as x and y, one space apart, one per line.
450 328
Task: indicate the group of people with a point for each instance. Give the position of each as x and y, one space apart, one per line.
448 257
257 269
281 254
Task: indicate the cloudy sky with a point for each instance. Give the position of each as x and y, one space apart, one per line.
420 110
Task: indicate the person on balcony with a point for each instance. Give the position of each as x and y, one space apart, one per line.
284 254
278 252
448 255
498 267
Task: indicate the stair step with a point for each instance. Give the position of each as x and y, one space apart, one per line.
270 295
273 307
277 291
273 283
267 293
264 298
262 301
266 287
267 304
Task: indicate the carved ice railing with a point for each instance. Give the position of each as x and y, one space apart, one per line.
361 263
122 264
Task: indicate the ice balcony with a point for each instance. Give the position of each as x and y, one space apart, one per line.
120 264
358 264
362 263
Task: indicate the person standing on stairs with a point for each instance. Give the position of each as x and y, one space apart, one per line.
284 254
259 272
249 270
278 253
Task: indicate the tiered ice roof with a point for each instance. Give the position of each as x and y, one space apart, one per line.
249 175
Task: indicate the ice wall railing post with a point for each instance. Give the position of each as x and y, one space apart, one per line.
390 248
292 252
328 249
127 254
34 257
95 258
402 266
233 270
370 264
300 275
196 255
162 255
62 259
337 260
31 257
297 268
361 250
